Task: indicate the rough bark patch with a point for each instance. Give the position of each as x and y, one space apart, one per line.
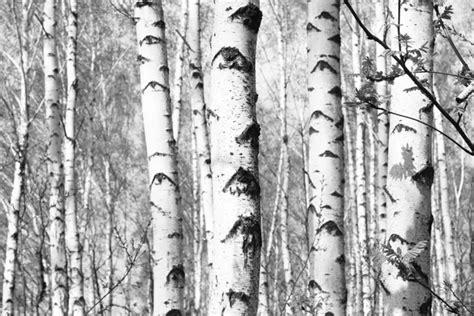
425 308
160 24
311 27
176 275
322 65
237 296
317 114
160 177
233 59
250 134
327 16
243 182
250 16
331 228
249 228
403 128
341 259
174 312
151 40
424 176
340 123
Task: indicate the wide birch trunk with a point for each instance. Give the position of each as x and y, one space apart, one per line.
410 172
234 135
167 251
326 159
57 240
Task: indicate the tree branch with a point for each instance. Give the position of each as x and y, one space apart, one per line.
417 82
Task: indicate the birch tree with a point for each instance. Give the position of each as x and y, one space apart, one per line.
326 159
167 248
55 166
19 149
74 248
234 142
410 173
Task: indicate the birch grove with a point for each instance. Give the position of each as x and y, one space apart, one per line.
154 160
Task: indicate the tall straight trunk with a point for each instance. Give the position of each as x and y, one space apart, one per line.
410 173
74 248
326 159
20 148
197 232
168 269
200 131
109 205
285 170
382 124
446 213
178 75
234 146
57 241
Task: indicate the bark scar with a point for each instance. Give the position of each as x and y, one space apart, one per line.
250 16
233 59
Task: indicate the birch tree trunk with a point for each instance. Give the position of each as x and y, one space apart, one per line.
168 269
200 131
326 159
451 275
234 146
410 173
74 248
382 124
55 167
178 76
20 148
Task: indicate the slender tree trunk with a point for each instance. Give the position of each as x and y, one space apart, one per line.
451 275
234 146
178 75
168 269
197 232
20 151
109 203
59 290
200 131
382 124
74 248
326 159
410 173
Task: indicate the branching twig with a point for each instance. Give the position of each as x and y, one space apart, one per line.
400 60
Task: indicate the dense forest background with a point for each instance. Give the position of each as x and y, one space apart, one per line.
113 213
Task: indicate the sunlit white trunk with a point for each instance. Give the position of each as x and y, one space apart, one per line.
326 159
410 173
446 213
74 249
55 166
234 135
167 251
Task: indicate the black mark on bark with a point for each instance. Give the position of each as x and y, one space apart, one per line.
249 229
243 181
250 134
402 127
336 39
233 59
151 40
311 27
237 296
176 275
250 16
424 176
322 65
160 177
154 85
331 228
329 154
336 91
326 15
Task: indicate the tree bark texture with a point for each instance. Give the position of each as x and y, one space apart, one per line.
410 172
167 246
234 139
326 159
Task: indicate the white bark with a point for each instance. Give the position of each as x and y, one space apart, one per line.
326 159
74 248
167 252
234 135
451 275
55 166
410 173
178 75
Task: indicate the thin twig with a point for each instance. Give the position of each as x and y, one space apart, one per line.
420 86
